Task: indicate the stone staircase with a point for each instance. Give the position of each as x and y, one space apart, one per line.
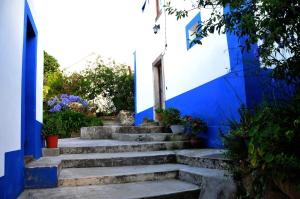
114 162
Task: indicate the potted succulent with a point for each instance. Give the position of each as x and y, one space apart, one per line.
172 119
196 129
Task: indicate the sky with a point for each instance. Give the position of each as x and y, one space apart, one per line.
71 30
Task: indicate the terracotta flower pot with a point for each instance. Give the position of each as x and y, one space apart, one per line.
159 117
52 141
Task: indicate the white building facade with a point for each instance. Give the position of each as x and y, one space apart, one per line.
21 84
210 81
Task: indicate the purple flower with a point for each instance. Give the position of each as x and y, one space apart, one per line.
64 96
52 101
56 108
65 101
74 98
84 103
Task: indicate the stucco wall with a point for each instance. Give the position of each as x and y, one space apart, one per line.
183 69
11 62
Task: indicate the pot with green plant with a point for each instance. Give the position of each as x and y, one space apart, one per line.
159 114
52 128
196 129
172 119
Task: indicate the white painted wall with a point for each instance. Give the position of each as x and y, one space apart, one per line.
184 69
11 45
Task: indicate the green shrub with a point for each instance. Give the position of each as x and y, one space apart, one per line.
264 147
171 116
67 121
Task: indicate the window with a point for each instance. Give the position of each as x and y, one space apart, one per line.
159 7
191 29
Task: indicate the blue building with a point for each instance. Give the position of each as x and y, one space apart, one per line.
21 82
212 80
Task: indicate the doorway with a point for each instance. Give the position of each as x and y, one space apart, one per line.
158 77
31 138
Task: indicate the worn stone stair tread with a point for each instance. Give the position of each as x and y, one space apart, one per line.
125 174
52 161
116 175
77 145
148 189
70 173
55 160
146 137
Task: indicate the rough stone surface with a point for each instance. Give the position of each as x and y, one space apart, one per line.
166 189
205 158
146 137
50 152
79 146
126 118
117 175
105 132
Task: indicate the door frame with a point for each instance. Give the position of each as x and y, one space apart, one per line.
159 59
30 136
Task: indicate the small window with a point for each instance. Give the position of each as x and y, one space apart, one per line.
159 7
191 29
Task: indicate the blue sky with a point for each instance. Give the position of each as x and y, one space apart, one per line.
73 29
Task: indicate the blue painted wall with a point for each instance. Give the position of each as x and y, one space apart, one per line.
31 136
12 183
148 113
218 101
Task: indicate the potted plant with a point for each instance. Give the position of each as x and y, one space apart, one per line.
52 128
172 119
196 129
159 114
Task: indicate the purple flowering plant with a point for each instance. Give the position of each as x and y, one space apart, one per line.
57 104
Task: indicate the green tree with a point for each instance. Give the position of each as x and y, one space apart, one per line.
111 80
53 77
51 65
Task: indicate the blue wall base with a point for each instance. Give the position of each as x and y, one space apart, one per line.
148 113
12 183
45 177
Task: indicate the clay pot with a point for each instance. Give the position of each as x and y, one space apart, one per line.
52 141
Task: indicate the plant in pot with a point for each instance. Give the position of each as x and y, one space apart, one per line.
196 129
172 119
159 114
52 128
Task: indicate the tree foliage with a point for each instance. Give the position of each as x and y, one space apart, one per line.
113 81
274 24
51 65
53 77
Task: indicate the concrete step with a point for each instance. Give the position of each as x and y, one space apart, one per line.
79 146
166 189
127 174
117 175
203 158
45 171
146 137
105 132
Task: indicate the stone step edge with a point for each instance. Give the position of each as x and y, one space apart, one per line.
177 189
105 132
51 170
157 146
182 172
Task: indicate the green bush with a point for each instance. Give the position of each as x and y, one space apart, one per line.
264 148
66 122
171 116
